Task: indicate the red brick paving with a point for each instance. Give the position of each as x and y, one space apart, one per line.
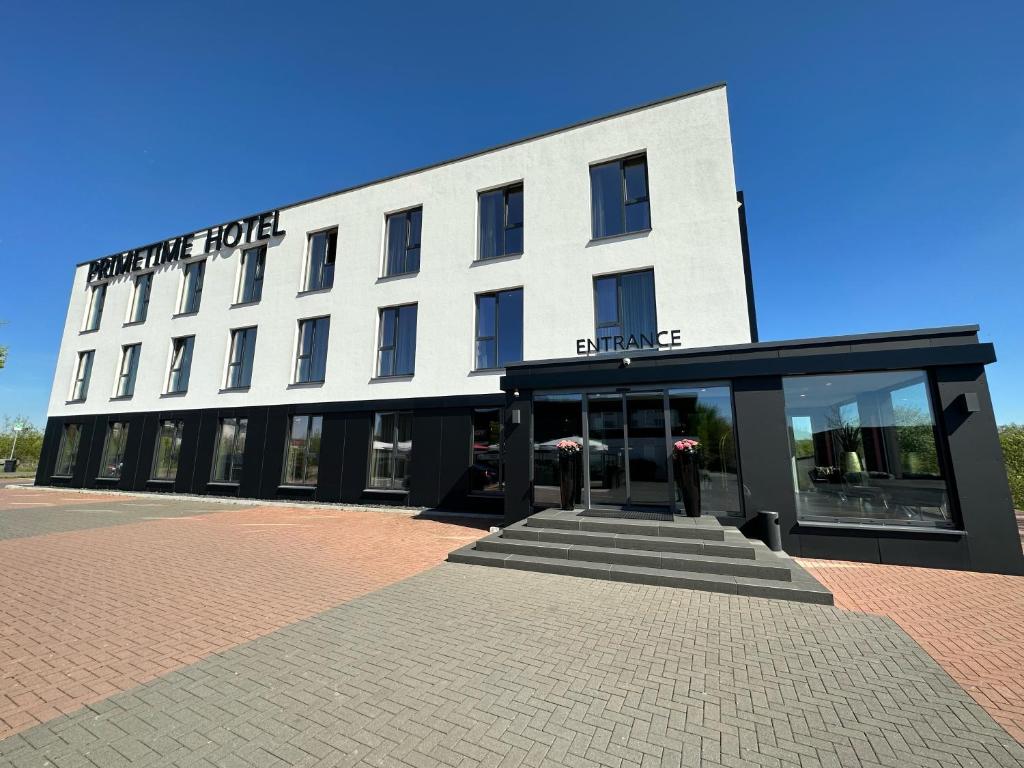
86 614
970 623
27 497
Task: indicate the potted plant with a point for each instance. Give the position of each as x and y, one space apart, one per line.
847 434
568 453
685 454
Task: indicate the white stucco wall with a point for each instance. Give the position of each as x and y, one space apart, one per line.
694 248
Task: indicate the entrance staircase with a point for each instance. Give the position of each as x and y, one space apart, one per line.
692 553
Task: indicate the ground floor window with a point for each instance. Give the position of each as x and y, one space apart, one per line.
67 452
487 472
228 452
302 451
112 460
556 417
864 449
391 450
168 448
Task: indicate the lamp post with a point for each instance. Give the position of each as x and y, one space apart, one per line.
17 428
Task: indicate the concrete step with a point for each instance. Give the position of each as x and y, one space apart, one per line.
772 570
702 529
802 590
729 547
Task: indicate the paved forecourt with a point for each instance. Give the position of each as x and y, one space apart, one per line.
469 666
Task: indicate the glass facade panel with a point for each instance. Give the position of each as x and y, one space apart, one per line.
487 472
864 449
229 451
391 451
302 451
67 452
606 449
704 413
555 417
112 459
168 448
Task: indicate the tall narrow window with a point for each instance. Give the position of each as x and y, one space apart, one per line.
181 364
625 312
391 451
499 328
83 372
240 357
396 348
323 251
140 298
403 242
311 356
487 471
112 460
67 452
94 312
302 452
129 368
192 289
501 222
620 202
168 448
250 284
229 451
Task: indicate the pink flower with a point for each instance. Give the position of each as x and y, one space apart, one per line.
686 445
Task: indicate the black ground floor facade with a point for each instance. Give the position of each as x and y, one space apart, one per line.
878 448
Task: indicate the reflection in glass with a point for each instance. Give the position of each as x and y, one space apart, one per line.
168 448
648 453
112 459
864 449
67 452
229 450
302 451
555 417
607 449
486 475
391 450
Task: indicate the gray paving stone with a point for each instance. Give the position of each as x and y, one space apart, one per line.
471 666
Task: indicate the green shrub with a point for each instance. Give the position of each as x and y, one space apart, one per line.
28 446
1011 438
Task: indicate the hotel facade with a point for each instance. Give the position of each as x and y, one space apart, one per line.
429 338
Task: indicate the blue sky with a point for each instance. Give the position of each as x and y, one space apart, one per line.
880 145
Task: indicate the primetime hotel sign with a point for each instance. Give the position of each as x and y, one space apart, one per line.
259 227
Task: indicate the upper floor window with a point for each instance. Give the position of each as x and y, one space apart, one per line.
311 356
396 349
83 372
323 251
129 368
192 289
112 460
240 357
250 283
499 328
94 312
619 197
624 311
168 449
67 452
140 298
501 222
403 242
302 452
229 451
181 364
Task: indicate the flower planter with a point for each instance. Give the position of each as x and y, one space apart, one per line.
568 472
687 470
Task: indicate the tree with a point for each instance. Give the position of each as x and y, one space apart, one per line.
29 443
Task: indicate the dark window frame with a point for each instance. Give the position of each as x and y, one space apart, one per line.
83 375
127 377
192 292
310 418
494 340
237 346
251 292
66 455
598 325
401 487
324 278
236 461
638 158
505 192
162 463
301 356
117 460
409 246
185 344
473 453
94 310
139 310
395 344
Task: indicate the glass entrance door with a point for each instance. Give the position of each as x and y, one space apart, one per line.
627 449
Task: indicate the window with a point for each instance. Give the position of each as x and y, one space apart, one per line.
403 242
619 197
112 459
240 357
250 284
168 448
501 222
181 364
83 371
140 298
192 289
864 450
302 451
391 451
94 312
311 356
487 473
704 413
323 250
67 452
499 328
129 368
227 456
624 310
396 350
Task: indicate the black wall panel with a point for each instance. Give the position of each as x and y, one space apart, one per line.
424 487
272 456
189 448
255 446
456 457
147 447
332 448
518 458
355 456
